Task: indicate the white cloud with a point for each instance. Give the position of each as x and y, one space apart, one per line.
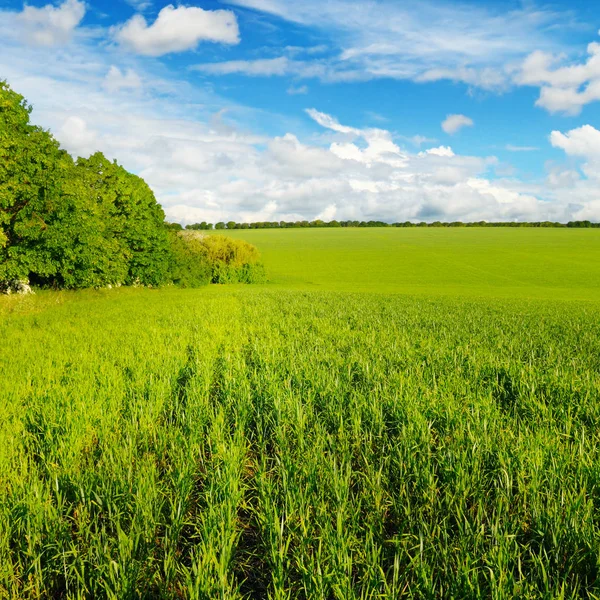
280 66
485 77
419 140
589 212
424 41
563 89
177 29
328 214
290 158
140 5
75 135
116 80
198 154
582 191
329 122
513 148
454 123
264 67
51 25
310 50
301 90
202 172
375 116
583 142
440 151
561 177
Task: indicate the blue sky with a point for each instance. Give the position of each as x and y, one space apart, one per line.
281 109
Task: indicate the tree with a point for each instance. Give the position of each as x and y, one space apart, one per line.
69 224
86 223
174 226
32 169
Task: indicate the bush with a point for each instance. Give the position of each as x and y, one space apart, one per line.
189 267
229 260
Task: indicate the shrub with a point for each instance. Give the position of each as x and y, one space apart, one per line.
190 267
230 260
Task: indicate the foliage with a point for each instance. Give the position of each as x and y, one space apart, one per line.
190 265
65 224
231 260
259 443
32 168
87 223
318 223
204 226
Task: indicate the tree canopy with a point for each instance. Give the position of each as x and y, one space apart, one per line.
81 223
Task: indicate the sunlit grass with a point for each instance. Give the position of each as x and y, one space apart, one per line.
503 262
255 442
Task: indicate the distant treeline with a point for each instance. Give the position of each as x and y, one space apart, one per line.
204 226
81 223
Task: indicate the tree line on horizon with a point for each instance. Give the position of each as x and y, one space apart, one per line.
221 225
88 222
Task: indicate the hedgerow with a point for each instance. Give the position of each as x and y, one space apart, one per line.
230 260
90 223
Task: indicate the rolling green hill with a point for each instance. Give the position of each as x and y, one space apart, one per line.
502 262
306 439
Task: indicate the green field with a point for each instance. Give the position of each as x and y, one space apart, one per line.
502 262
438 438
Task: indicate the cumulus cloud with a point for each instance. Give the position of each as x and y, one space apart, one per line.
75 135
204 162
454 123
117 80
200 171
290 158
51 25
380 147
440 151
177 29
563 88
562 177
583 142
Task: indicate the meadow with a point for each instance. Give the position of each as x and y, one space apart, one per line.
397 414
509 263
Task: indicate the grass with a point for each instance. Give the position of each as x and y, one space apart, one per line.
509 263
277 442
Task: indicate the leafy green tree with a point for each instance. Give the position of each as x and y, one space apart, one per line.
136 219
91 223
174 226
32 168
82 237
